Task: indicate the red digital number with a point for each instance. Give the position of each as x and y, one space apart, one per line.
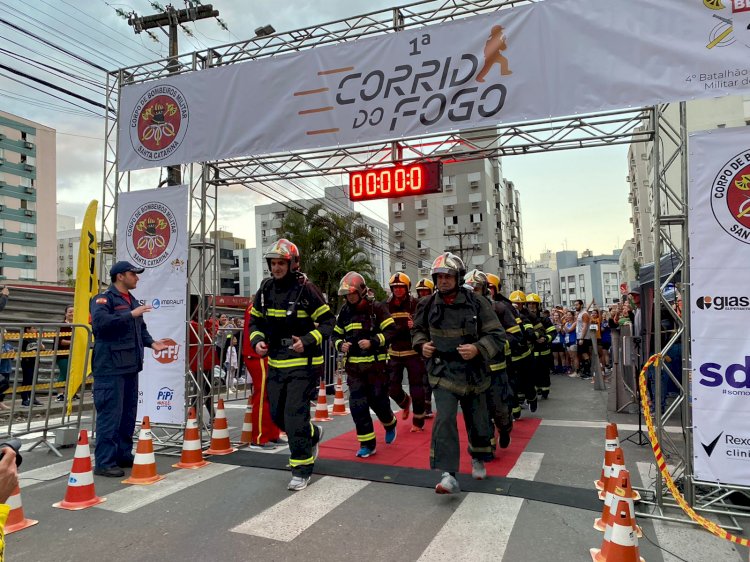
385 182
415 178
371 183
400 180
356 186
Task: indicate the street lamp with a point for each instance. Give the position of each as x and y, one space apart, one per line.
264 30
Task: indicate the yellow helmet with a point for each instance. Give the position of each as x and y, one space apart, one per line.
400 279
494 281
533 297
518 296
425 285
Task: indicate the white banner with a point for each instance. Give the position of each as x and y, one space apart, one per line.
719 223
552 58
152 232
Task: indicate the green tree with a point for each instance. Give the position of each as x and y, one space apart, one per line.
70 282
329 246
637 269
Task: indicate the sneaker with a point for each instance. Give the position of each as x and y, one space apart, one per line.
282 438
298 483
263 446
478 472
405 410
574 375
60 398
533 405
447 485
416 429
365 452
517 414
428 413
316 447
390 434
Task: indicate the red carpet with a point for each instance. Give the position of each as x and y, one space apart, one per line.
412 450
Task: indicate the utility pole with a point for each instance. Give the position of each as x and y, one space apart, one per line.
172 18
460 236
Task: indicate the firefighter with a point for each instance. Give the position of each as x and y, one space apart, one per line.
401 355
524 364
500 399
545 333
288 323
425 288
363 330
457 332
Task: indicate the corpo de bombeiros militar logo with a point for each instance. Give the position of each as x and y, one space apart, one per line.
730 197
151 234
159 122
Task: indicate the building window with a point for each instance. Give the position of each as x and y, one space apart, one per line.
476 217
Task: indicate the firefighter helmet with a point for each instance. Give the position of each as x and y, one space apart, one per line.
477 280
448 263
425 285
533 297
353 283
400 279
518 296
285 250
494 281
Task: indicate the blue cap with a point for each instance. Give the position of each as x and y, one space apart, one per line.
124 267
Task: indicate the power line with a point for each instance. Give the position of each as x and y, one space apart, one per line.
80 69
42 66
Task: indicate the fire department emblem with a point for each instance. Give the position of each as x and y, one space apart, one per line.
151 234
730 197
159 122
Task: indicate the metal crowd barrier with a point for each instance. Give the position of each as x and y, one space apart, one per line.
31 355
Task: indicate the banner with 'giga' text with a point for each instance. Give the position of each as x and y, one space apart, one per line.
152 232
541 60
719 223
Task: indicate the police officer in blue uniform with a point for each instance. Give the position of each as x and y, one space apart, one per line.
120 336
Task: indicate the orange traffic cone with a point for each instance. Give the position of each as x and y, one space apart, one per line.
618 464
611 442
617 489
609 457
80 493
247 424
220 444
144 464
321 409
192 456
620 543
16 519
339 405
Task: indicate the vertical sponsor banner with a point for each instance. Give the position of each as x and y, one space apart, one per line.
719 225
87 285
152 232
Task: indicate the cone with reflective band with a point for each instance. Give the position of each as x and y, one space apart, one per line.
220 444
339 404
321 409
247 424
617 489
80 493
609 458
618 464
192 455
144 464
620 543
611 442
16 519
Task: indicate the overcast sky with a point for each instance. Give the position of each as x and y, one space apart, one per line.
571 199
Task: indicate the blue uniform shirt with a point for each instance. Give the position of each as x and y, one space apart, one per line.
119 338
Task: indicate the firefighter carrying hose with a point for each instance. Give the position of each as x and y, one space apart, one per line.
457 332
362 332
401 356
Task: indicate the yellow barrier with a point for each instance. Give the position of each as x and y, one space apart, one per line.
710 526
33 335
13 354
30 387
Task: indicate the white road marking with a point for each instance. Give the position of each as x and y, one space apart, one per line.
289 518
621 427
681 539
131 498
527 466
479 518
45 473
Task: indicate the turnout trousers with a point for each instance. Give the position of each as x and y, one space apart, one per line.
522 379
445 447
499 400
290 392
417 376
368 389
541 372
116 403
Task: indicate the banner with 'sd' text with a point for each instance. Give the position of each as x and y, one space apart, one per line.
541 60
719 226
152 232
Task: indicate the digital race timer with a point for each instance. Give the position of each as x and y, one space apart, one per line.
396 181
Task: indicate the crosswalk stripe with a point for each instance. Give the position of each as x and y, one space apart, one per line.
685 540
289 518
45 473
584 424
133 497
480 518
527 466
